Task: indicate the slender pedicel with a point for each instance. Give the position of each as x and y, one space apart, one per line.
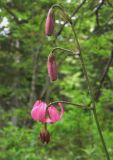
65 15
75 104
63 49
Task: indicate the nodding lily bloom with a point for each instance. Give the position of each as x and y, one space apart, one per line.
52 67
44 114
49 26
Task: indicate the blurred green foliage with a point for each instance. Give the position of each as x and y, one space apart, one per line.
24 49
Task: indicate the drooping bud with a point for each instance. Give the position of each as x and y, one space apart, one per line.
52 67
45 136
50 21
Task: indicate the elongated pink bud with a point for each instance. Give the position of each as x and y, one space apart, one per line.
49 26
45 136
52 67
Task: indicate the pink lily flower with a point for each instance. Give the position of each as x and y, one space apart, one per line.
49 26
44 114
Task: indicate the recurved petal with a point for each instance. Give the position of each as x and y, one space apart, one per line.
53 114
38 113
62 109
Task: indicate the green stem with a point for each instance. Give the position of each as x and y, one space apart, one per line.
66 102
83 65
59 48
65 15
100 134
91 95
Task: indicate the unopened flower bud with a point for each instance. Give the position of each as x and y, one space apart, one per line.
52 67
45 136
49 26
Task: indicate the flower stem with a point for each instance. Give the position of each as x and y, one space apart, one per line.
66 50
100 134
83 65
75 104
91 95
65 15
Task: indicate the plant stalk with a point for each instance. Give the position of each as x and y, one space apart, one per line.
91 95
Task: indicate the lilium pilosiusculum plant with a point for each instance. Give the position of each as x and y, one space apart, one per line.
42 113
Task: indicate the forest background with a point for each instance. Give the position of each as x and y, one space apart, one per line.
24 49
